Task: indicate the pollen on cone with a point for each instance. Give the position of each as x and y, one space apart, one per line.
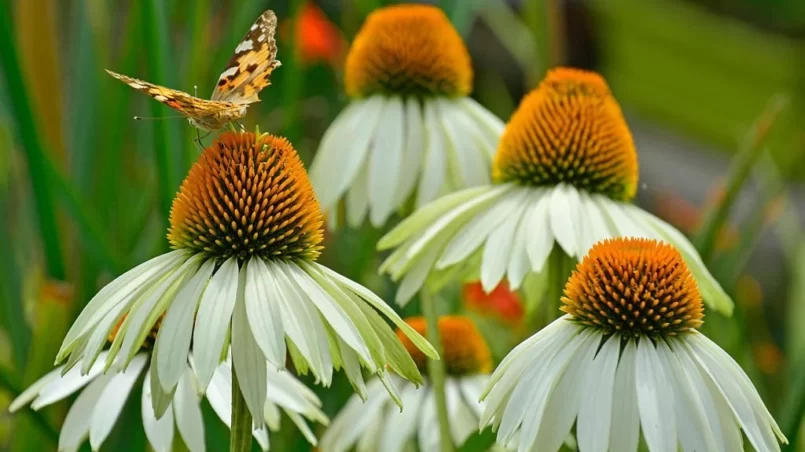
569 130
247 195
464 349
408 50
634 287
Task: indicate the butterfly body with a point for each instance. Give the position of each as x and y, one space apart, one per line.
247 73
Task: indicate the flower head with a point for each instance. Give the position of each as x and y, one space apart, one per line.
569 130
378 424
247 196
627 361
408 49
564 169
246 228
410 132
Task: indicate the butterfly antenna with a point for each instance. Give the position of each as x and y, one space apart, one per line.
143 118
195 90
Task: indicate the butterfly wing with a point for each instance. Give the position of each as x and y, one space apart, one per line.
249 69
184 103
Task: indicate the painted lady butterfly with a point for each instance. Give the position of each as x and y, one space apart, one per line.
247 73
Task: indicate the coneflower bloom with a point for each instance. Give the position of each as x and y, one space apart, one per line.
378 424
410 129
245 228
625 362
100 403
564 173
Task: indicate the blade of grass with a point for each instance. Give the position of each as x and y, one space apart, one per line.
167 146
740 168
793 409
462 14
293 78
31 141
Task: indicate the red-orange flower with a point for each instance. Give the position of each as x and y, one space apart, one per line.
501 303
316 38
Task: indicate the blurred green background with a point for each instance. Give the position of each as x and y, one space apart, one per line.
714 91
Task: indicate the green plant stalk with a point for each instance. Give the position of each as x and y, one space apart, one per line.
241 436
167 148
34 150
436 371
751 150
293 80
793 410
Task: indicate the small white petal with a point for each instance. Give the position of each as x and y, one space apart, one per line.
219 393
385 160
213 320
655 400
158 431
491 126
563 217
625 432
33 391
357 202
60 387
428 429
173 339
473 166
540 242
111 402
462 420
247 358
264 313
593 427
399 428
435 168
414 152
78 420
188 413
498 248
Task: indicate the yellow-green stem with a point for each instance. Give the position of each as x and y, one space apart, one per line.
241 436
436 370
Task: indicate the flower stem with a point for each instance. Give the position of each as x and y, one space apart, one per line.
241 435
436 370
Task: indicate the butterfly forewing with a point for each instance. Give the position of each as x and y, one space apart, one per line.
249 69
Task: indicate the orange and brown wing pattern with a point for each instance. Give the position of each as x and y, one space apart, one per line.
249 69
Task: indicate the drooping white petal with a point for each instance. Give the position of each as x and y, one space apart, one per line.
158 431
595 412
60 387
248 360
414 151
173 339
264 313
595 224
655 399
219 393
33 391
343 150
563 218
385 160
498 247
541 238
471 388
491 126
351 422
415 278
79 418
399 429
625 432
213 320
115 293
473 166
428 428
187 411
519 263
112 399
625 224
100 335
462 420
357 202
435 168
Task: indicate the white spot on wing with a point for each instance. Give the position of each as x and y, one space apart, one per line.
254 27
244 46
229 72
261 38
137 85
160 98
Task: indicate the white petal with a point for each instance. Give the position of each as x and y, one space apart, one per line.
414 150
491 126
357 203
158 431
343 150
625 432
595 225
352 421
416 276
115 293
540 242
219 393
625 224
435 167
78 420
176 331
385 161
213 319
264 313
471 388
399 429
473 166
593 427
654 400
60 387
100 335
428 429
498 248
470 237
111 402
462 420
33 391
519 263
188 413
564 216
247 358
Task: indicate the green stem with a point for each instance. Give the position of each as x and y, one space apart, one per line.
436 369
751 150
34 150
241 436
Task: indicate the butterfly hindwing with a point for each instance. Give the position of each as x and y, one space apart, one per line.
249 69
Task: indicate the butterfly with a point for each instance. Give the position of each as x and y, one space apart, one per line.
246 74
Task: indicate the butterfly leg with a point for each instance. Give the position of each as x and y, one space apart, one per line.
243 129
198 139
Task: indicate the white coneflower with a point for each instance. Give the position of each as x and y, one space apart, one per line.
100 403
627 361
564 172
378 424
246 229
410 127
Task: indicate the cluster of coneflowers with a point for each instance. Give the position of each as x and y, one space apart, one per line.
241 304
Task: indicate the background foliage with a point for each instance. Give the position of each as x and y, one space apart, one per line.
713 90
